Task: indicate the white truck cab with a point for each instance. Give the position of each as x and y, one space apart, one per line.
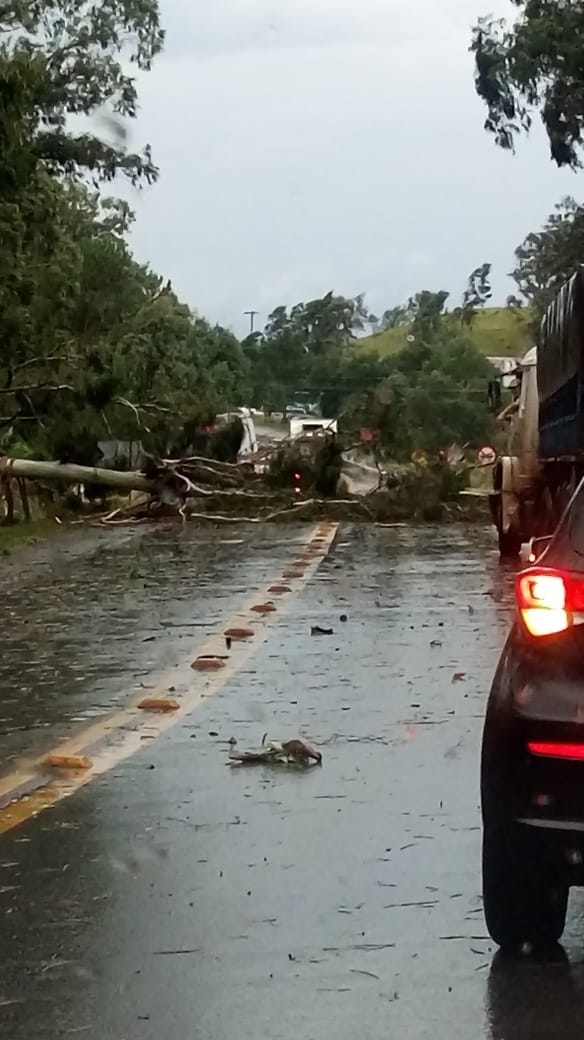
517 471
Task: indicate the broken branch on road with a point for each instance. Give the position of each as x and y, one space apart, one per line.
282 753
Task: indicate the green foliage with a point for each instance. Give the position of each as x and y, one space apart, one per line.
495 332
477 294
396 317
430 393
92 344
536 65
436 391
301 347
63 58
547 258
435 396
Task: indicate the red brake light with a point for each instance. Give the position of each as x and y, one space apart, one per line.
548 600
543 749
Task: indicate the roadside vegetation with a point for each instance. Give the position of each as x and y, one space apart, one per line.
496 332
95 345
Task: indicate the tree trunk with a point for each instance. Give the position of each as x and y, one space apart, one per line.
24 497
30 470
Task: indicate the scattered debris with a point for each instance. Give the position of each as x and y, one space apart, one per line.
316 630
285 753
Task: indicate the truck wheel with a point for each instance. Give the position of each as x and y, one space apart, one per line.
525 900
509 541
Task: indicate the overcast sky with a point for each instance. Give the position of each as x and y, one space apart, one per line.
308 145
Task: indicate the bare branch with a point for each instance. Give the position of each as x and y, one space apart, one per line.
133 408
46 360
37 386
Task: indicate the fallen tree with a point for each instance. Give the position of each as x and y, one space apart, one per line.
281 484
67 473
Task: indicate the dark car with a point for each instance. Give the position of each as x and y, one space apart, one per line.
532 776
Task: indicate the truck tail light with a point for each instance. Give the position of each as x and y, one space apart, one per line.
549 601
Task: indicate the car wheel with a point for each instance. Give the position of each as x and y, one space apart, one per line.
525 898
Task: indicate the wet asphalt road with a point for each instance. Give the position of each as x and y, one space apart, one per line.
178 897
87 620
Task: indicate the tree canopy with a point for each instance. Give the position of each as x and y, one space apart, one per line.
534 66
432 393
93 344
69 58
547 258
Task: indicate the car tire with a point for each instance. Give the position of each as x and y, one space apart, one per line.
525 897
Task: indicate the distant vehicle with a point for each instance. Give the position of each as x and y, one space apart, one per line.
249 444
536 477
309 426
532 775
297 408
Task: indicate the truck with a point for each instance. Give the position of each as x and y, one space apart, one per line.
534 480
309 426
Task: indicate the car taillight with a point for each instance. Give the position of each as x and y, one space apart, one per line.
547 749
550 601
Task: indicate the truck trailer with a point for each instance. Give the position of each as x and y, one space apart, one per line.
535 478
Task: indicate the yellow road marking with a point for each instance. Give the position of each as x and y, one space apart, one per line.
28 806
36 785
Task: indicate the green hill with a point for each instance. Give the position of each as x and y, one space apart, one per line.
496 331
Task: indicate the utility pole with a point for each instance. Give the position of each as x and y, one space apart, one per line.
252 316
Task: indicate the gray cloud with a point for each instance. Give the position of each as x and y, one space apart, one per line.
229 26
314 144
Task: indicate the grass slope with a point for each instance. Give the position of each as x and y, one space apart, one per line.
496 331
